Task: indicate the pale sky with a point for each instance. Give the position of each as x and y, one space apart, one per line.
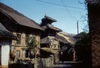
66 12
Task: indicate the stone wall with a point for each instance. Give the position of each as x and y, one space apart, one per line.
22 46
19 47
94 26
43 62
47 62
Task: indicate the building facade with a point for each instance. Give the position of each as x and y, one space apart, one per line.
48 41
5 44
20 26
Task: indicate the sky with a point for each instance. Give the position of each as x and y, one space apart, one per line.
66 12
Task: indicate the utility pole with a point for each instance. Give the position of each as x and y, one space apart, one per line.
74 53
77 27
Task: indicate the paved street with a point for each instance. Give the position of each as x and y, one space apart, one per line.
67 64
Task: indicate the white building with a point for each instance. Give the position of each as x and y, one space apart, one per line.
5 43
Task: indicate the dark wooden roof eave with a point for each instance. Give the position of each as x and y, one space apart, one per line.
20 24
9 13
53 28
45 41
10 37
50 19
5 34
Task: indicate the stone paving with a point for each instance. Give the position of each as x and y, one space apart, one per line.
67 64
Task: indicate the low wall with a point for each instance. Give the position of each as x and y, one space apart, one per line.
47 62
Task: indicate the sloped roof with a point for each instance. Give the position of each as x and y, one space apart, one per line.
49 18
66 39
48 50
80 35
18 17
45 40
53 28
48 39
69 39
61 39
4 33
49 26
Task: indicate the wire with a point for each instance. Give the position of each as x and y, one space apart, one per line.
80 2
70 15
59 4
68 10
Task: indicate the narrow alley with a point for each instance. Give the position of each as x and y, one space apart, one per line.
67 64
26 43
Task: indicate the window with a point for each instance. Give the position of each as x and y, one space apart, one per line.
18 53
24 53
18 38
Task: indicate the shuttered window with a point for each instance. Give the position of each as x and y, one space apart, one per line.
18 38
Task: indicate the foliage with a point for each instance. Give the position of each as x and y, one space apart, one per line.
31 42
83 49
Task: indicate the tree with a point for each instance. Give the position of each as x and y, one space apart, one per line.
31 44
83 49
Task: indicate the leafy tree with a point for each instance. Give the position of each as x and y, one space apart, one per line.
83 49
31 42
31 45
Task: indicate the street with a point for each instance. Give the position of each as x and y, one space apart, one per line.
66 64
